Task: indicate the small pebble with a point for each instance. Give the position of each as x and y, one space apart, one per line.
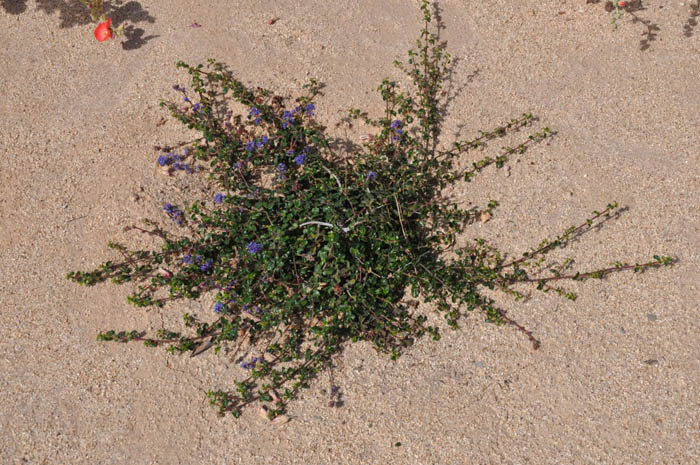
651 317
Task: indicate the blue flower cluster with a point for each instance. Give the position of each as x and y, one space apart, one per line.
309 109
178 88
251 364
191 260
253 144
254 311
219 307
176 162
254 247
301 158
255 113
288 118
174 213
219 198
398 132
281 171
206 266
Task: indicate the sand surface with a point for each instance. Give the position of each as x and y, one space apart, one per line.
616 380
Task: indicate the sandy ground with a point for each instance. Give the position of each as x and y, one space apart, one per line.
616 379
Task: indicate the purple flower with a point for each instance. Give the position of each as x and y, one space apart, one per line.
219 307
309 109
197 106
250 146
300 159
174 213
163 160
265 140
281 168
187 259
219 198
288 118
251 364
371 175
254 247
254 112
396 126
206 266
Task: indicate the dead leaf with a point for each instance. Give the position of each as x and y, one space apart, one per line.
202 347
485 216
263 412
280 420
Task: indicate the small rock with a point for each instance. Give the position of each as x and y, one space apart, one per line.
506 169
651 361
651 317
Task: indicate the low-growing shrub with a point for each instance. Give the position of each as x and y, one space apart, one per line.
307 250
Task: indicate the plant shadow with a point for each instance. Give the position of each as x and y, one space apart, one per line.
74 13
652 28
692 21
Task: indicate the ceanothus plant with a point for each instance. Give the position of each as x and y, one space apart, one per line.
306 250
